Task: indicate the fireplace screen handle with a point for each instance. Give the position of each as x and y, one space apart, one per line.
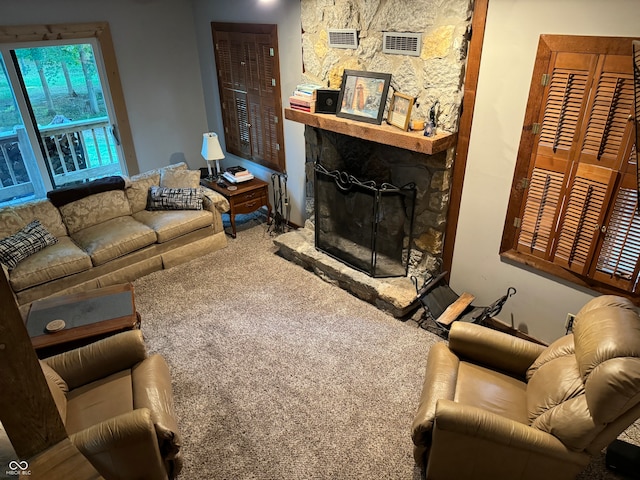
343 182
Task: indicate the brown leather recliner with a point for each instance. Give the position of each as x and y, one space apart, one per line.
496 406
117 406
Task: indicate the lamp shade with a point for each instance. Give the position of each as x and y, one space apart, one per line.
211 147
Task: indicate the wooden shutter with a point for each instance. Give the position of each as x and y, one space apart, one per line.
257 134
608 127
580 207
583 217
540 212
620 253
223 59
250 92
266 58
564 101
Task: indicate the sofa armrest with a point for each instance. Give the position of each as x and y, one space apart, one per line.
472 425
212 199
151 383
440 379
125 446
99 359
492 348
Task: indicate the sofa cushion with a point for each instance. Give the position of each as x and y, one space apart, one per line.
171 224
114 238
138 191
179 178
21 245
56 261
161 198
94 210
13 218
154 174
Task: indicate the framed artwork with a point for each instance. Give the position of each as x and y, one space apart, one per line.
400 110
363 96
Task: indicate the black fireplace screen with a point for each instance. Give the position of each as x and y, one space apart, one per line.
362 224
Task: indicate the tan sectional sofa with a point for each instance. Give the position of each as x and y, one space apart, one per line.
109 237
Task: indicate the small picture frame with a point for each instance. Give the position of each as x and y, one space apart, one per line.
400 110
363 96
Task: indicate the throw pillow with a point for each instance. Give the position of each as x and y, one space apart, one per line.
161 198
31 239
172 178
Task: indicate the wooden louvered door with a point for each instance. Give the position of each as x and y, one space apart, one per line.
248 74
565 99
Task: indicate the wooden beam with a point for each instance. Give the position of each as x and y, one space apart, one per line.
63 460
478 23
27 410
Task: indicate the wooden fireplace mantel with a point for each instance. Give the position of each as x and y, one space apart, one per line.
385 134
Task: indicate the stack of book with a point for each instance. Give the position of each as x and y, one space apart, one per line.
304 98
237 174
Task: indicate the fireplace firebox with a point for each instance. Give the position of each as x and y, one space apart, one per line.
364 225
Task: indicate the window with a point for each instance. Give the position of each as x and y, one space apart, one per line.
249 83
62 113
573 207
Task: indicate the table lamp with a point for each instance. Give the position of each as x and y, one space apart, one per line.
211 151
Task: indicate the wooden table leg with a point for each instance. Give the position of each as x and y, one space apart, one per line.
232 218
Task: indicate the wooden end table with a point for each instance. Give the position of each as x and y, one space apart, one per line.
247 198
89 316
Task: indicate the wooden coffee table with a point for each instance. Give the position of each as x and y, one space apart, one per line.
246 198
89 316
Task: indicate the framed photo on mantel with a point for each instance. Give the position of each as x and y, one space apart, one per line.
363 96
400 110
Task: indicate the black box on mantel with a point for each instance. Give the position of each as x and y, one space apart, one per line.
327 100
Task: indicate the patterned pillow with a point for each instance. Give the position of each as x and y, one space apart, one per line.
161 198
31 239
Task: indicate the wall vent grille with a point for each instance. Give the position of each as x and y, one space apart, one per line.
343 38
402 43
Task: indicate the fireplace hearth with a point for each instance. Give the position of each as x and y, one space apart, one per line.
370 153
363 224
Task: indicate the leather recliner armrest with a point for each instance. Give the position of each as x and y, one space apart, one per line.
440 379
126 443
99 359
469 437
151 382
494 349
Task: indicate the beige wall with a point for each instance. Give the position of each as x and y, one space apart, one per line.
157 58
510 44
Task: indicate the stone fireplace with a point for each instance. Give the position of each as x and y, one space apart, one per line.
366 159
382 153
379 163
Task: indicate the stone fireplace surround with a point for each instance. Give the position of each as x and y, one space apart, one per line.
369 160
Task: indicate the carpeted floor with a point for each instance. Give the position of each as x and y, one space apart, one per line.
280 375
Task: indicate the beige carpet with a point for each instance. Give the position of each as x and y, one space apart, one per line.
279 375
